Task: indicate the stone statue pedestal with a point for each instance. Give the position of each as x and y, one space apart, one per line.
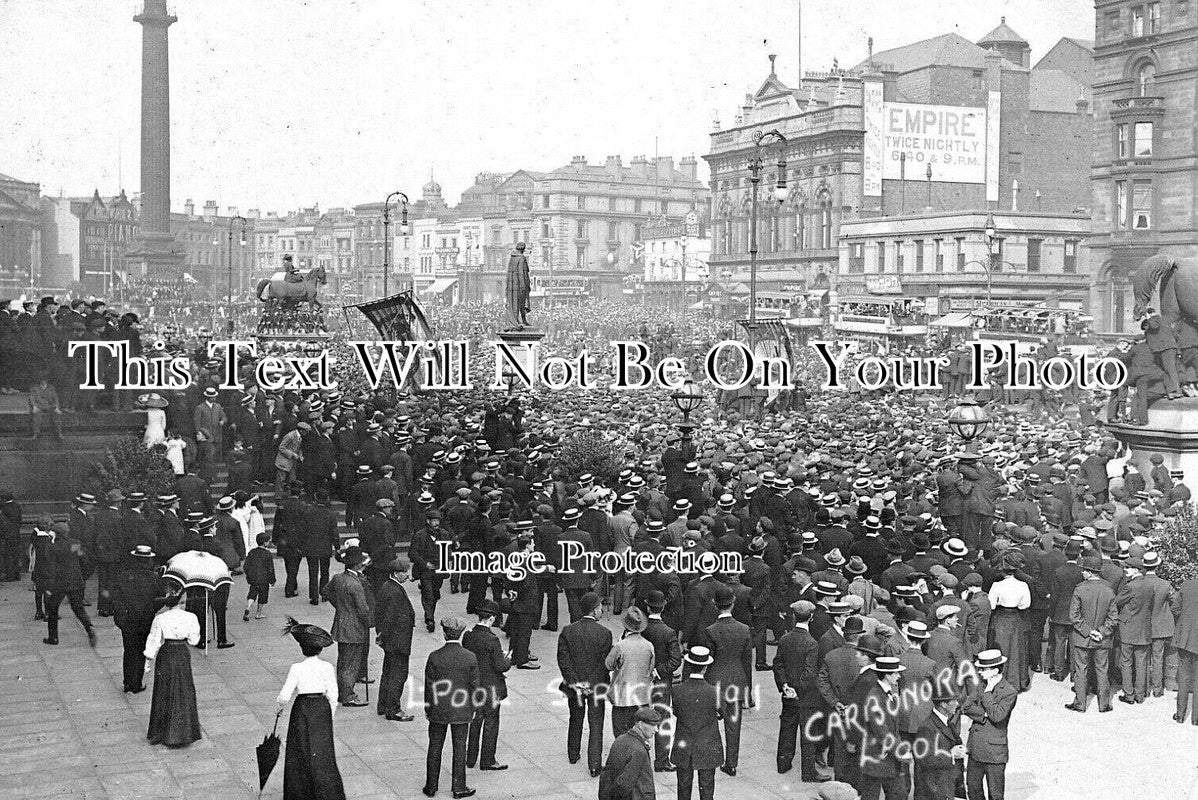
1172 431
521 341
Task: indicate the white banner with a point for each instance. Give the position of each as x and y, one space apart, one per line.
952 139
874 113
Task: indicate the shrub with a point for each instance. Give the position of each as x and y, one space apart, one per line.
588 451
1179 547
129 466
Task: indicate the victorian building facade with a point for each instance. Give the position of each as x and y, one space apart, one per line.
1145 152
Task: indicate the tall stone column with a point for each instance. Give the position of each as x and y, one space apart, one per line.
156 253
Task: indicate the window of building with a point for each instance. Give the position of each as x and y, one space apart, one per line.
826 227
544 201
581 229
580 257
582 201
1033 254
1137 21
881 256
919 256
544 229
636 205
996 254
636 232
1143 140
1154 18
1121 140
938 250
1146 80
900 257
611 204
1120 204
496 235
1141 204
613 231
960 241
1070 265
800 231
1112 23
857 257
665 208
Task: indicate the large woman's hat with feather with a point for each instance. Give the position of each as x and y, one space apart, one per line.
311 635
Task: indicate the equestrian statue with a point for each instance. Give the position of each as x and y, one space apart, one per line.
289 291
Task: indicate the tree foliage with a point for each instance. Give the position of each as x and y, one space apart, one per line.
587 451
1179 547
129 466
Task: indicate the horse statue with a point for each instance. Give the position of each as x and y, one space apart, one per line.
1178 288
292 294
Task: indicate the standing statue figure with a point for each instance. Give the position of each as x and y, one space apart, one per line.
518 288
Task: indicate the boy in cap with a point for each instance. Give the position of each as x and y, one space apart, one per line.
260 575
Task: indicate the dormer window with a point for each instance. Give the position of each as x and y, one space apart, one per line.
1146 80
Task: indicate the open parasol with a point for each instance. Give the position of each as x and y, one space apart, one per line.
268 754
198 569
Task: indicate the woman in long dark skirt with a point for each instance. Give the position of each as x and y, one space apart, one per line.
310 765
174 719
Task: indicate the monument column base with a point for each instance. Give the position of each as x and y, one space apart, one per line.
1172 431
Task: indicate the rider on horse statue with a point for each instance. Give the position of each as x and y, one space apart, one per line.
291 274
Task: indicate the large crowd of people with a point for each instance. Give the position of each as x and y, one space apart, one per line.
900 587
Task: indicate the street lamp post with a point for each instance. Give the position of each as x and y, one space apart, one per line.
403 229
902 183
684 243
968 420
929 174
229 297
687 399
755 166
990 233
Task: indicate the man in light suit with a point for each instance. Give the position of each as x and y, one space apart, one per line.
796 666
631 664
395 619
352 620
989 705
731 645
451 679
1094 616
493 665
697 746
582 650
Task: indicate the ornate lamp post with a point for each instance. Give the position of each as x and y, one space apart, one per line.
229 295
968 420
756 163
403 230
687 399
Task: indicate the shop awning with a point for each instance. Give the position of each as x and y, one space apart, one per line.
439 286
957 319
817 294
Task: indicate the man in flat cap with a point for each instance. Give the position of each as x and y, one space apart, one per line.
628 773
493 664
1094 616
352 621
394 621
796 667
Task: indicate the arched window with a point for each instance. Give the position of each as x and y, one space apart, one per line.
1146 79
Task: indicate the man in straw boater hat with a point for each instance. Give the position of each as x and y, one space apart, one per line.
731 645
989 704
697 746
136 592
883 767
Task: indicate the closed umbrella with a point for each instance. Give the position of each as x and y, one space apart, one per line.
268 754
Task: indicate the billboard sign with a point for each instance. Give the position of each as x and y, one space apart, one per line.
952 139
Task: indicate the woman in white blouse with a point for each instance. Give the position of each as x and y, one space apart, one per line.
174 719
310 765
248 514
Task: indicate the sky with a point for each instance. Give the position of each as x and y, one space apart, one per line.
282 104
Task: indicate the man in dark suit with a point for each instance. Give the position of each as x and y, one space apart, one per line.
575 581
731 645
352 620
134 612
989 704
318 542
883 766
700 608
546 538
493 663
1094 616
938 767
697 745
450 679
667 657
288 534
394 621
796 666
582 650
1134 601
842 681
109 537
425 553
1185 638
525 609
628 774
1064 580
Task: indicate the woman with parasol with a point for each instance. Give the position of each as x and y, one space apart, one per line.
174 719
310 768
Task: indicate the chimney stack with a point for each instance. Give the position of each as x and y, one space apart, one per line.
210 209
690 167
665 167
189 208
